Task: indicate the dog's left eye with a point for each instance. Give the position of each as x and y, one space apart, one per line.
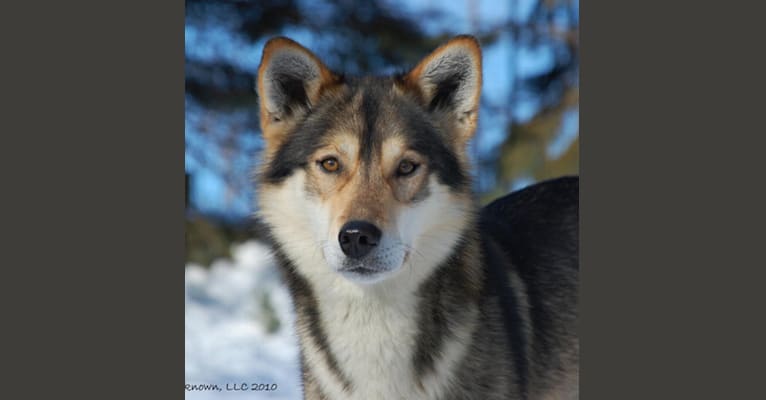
406 167
330 164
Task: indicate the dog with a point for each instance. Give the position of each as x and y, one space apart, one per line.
402 286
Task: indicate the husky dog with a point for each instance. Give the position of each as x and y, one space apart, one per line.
404 288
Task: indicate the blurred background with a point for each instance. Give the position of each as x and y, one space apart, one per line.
528 131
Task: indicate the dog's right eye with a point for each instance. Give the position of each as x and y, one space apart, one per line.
330 164
406 167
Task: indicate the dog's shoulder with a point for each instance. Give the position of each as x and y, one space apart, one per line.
538 224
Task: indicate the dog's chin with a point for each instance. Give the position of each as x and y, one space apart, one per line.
367 275
379 265
375 268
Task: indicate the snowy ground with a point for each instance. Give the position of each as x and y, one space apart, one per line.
230 309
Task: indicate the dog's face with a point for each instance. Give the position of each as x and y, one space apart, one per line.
367 177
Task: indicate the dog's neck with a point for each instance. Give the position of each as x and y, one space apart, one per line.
387 338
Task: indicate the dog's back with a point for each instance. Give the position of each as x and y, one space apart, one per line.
537 230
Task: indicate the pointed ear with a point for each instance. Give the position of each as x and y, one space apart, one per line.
290 80
449 79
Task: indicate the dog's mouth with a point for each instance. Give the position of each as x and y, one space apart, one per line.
369 272
364 274
362 270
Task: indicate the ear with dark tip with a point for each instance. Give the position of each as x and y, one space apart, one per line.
449 79
290 80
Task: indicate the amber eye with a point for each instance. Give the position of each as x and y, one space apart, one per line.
330 164
406 167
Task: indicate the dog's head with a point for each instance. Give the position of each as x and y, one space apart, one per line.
367 176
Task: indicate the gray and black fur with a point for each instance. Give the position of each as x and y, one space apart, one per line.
513 273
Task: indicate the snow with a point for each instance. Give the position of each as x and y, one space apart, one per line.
229 309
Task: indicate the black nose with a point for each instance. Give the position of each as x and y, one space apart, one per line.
357 238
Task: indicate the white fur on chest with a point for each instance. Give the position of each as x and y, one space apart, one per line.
373 344
373 339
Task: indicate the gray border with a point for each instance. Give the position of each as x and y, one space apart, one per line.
670 210
93 257
669 246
